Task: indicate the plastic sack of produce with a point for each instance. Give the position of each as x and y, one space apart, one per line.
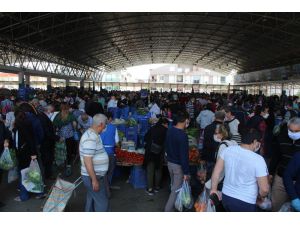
265 203
210 206
32 178
286 207
60 153
184 197
201 203
8 159
12 175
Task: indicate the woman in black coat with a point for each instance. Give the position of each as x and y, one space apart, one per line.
153 162
25 148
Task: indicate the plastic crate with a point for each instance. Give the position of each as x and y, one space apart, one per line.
132 134
143 126
115 112
125 113
138 177
122 127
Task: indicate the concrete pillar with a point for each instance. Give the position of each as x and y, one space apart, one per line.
94 88
21 79
89 86
81 85
67 84
49 87
27 80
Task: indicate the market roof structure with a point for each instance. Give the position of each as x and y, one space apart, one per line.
111 41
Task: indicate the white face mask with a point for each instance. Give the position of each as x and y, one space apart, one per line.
187 123
294 135
266 116
50 115
216 139
257 148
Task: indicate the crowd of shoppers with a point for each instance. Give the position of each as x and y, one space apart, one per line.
249 143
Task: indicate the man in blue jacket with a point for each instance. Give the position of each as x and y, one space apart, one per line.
109 139
291 174
178 157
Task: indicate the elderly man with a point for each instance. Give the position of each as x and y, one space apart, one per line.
288 145
94 166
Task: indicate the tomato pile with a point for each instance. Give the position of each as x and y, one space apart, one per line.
129 157
194 155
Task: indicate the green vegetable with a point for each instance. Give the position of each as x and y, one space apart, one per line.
121 135
8 159
193 132
34 177
131 122
142 111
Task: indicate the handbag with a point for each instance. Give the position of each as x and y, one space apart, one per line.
155 148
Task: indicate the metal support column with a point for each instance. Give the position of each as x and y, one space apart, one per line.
67 84
27 80
49 84
21 79
81 85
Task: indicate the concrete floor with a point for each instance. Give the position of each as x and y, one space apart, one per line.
126 199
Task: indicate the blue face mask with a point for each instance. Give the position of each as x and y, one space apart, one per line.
294 135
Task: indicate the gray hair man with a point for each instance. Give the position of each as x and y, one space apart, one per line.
94 166
288 145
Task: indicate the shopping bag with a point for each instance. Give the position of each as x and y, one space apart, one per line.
60 153
286 207
210 206
8 159
178 202
202 172
265 203
12 175
201 203
59 196
184 197
32 178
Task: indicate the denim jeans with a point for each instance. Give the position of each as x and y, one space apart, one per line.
96 201
235 205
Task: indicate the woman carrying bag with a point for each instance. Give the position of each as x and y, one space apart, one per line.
65 124
24 142
154 154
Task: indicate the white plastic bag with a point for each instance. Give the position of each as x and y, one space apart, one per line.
286 207
32 178
266 203
184 197
210 207
12 175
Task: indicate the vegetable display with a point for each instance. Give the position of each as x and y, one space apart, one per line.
121 135
193 132
131 122
142 111
129 157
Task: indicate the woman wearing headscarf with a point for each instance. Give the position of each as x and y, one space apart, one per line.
65 124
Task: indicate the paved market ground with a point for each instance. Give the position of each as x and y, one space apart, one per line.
126 199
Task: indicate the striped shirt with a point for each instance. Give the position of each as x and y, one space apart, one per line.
91 146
